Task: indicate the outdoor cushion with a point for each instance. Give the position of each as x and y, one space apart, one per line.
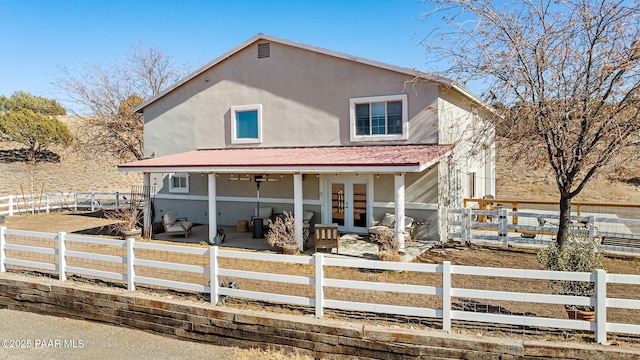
388 220
180 226
169 218
307 216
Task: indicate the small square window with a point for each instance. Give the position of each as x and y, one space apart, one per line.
179 183
246 124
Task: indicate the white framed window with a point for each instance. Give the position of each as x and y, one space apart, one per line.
472 184
376 118
246 124
179 183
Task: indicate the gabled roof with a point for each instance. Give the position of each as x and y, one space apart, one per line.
262 37
332 159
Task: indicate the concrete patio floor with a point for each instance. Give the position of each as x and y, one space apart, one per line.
351 245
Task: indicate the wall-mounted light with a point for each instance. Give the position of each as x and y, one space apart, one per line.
238 177
263 178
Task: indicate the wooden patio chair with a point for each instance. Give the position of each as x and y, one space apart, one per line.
327 237
173 226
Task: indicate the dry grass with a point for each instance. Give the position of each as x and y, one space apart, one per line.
619 183
258 354
73 173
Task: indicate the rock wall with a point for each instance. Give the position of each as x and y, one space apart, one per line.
320 338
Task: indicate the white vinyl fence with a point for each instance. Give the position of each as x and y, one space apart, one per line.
18 204
442 292
519 227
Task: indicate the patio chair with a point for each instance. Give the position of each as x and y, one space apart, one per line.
388 222
306 225
327 237
173 226
265 214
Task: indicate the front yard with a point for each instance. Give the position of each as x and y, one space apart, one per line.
512 258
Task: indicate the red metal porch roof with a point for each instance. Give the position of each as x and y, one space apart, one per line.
382 158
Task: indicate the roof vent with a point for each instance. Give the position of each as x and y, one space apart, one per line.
264 51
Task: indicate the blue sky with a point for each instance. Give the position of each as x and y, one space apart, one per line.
40 36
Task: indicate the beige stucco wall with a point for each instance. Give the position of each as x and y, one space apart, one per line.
305 98
305 102
459 126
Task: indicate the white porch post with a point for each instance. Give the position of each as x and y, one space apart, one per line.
297 208
213 211
146 210
399 201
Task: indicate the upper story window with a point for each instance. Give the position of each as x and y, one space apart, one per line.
379 118
246 124
179 183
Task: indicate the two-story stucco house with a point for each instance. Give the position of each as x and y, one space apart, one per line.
347 138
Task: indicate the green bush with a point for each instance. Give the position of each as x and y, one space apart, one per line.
581 253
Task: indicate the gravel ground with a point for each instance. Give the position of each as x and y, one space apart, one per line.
35 336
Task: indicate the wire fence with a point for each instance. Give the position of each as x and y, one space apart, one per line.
81 200
537 223
439 296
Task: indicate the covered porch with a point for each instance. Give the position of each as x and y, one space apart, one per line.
336 183
351 245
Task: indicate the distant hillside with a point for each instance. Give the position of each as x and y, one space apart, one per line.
99 173
618 184
72 173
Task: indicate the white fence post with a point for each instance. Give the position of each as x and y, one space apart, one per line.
601 306
213 273
446 296
75 201
465 226
319 263
591 227
62 261
503 227
3 242
10 205
117 201
46 196
93 201
131 275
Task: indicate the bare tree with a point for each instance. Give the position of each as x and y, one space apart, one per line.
566 73
105 95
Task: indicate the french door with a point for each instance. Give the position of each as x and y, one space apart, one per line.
348 204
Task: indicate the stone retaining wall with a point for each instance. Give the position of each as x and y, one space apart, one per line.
327 339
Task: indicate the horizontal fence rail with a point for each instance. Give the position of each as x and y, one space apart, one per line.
29 204
505 226
449 294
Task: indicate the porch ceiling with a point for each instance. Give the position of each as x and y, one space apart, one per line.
329 159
